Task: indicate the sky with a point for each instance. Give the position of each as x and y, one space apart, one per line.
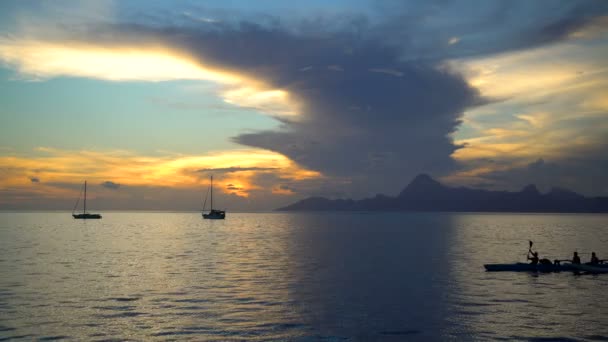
281 101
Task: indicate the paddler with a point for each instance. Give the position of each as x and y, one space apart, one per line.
534 258
594 259
576 259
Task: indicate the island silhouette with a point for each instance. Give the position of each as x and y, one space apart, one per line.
426 194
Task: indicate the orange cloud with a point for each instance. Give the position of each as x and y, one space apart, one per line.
54 166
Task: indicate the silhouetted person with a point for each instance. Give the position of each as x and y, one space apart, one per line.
545 261
576 259
534 258
594 259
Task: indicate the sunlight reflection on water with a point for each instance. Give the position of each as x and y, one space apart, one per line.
279 276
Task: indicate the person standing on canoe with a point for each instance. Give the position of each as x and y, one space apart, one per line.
576 259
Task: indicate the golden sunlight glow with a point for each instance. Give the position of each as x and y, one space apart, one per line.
126 168
44 60
151 63
494 80
536 72
551 105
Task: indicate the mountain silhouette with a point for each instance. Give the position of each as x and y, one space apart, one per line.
427 194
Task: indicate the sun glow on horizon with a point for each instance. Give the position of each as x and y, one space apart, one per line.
54 166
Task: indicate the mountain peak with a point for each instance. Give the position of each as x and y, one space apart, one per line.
530 189
421 184
426 194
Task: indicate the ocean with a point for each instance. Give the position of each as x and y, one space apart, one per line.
297 277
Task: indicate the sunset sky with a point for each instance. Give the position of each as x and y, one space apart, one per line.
283 100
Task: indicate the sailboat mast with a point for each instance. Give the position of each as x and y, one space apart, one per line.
85 197
211 192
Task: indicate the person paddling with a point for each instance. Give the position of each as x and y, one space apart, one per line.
576 259
594 259
534 258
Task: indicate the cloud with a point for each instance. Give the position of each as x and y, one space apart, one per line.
589 170
357 126
486 28
367 101
360 126
35 179
580 167
234 187
110 185
63 170
236 169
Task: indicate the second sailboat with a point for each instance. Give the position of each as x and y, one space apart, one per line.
213 214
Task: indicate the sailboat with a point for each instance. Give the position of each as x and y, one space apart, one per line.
84 214
213 214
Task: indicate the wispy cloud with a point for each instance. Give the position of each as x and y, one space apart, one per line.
110 185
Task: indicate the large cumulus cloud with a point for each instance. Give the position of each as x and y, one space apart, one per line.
367 116
376 107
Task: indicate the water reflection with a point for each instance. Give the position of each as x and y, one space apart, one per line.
370 276
277 276
526 305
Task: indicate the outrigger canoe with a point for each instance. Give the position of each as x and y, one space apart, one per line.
523 267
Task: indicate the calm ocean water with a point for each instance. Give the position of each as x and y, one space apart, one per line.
302 277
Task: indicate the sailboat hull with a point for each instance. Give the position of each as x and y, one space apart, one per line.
215 215
86 216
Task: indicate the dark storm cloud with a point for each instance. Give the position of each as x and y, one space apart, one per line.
355 123
482 27
377 108
110 185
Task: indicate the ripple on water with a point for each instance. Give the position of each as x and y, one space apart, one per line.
53 338
400 332
17 337
125 299
128 314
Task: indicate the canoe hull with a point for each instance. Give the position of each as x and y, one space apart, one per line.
591 268
522 267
